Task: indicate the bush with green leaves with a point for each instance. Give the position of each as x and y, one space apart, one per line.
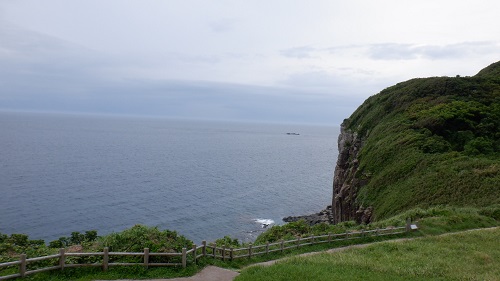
138 237
11 247
301 228
76 238
228 242
134 239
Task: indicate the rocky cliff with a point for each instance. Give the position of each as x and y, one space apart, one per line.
417 144
420 143
345 184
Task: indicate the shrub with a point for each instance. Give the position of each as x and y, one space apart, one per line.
138 237
479 146
227 241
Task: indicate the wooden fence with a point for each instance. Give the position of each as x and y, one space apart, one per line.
60 260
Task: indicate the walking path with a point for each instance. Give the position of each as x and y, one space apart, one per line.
214 273
209 273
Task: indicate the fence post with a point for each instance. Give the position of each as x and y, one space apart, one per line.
146 257
250 250
194 253
231 255
204 249
376 231
62 258
362 233
267 247
282 245
105 259
184 258
312 239
329 237
215 249
298 242
408 225
22 266
224 253
346 234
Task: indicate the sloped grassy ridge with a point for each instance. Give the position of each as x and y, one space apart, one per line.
427 142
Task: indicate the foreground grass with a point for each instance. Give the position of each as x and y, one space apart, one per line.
114 273
473 255
432 221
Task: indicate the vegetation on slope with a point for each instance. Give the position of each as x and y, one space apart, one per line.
471 255
134 239
431 141
431 152
431 221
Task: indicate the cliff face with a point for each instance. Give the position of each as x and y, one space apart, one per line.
420 143
345 184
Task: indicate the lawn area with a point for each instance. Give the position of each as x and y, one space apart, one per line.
472 255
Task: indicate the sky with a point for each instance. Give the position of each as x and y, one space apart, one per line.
291 61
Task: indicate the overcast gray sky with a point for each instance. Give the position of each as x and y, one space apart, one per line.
309 61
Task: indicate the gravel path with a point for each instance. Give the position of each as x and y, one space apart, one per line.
209 273
214 273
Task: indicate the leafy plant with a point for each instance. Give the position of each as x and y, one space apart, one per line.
138 237
228 242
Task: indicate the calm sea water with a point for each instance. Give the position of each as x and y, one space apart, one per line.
64 173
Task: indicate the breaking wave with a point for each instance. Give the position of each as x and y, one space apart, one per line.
264 222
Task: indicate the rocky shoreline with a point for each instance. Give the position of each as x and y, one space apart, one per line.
345 185
324 216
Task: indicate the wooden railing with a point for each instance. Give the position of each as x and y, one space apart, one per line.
226 253
60 260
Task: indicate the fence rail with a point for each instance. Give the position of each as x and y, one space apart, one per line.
193 254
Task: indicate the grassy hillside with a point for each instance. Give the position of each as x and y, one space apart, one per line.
471 255
430 141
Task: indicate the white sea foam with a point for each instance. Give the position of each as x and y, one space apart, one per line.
264 222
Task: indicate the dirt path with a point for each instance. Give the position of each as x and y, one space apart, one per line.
209 273
214 273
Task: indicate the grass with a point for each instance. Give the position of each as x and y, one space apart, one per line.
473 255
445 219
431 152
432 221
139 272
114 273
427 142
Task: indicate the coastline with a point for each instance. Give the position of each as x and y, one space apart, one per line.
323 216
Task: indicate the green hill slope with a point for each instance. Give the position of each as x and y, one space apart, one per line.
472 255
420 143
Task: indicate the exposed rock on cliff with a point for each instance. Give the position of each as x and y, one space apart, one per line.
345 185
420 143
324 216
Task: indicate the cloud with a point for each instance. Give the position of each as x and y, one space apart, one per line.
398 51
342 83
299 52
390 51
394 51
44 73
181 99
164 59
223 25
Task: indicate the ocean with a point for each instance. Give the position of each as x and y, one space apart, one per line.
204 179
